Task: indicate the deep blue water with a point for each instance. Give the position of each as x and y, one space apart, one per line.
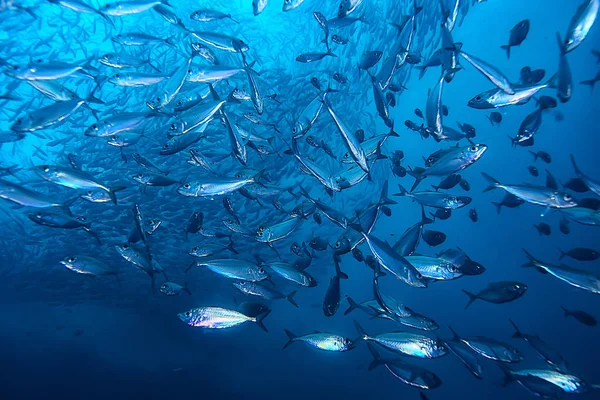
69 335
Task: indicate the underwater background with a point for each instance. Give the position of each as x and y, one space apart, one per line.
68 335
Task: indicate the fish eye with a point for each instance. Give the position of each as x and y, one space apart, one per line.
71 259
516 287
116 75
166 146
567 197
243 283
89 193
195 250
261 271
39 215
19 121
46 168
187 186
125 246
187 313
338 245
94 126
477 97
473 148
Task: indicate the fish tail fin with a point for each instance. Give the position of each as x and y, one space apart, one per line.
331 54
361 332
260 318
364 19
291 338
423 396
190 266
234 20
424 218
352 305
403 191
256 178
90 98
455 336
490 119
384 199
94 234
377 361
378 154
553 81
562 254
186 289
106 17
472 298
340 274
170 41
575 167
422 71
508 376
112 191
517 334
493 183
498 206
154 67
507 49
560 43
231 248
418 174
65 206
591 83
534 154
567 313
290 298
532 261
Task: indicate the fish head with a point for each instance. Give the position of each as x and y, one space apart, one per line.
437 348
96 129
342 246
187 317
386 211
198 252
239 45
414 277
120 39
482 101
243 286
517 289
140 178
107 59
474 152
190 189
37 216
21 124
123 248
16 71
47 172
99 196
259 273
73 263
564 200
239 93
167 289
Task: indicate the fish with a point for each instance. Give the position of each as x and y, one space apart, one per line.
257 289
490 72
580 254
331 302
434 238
173 289
233 269
406 343
218 318
580 25
498 293
518 34
534 194
550 355
543 229
73 179
578 278
564 84
491 349
409 374
580 316
436 199
88 266
322 341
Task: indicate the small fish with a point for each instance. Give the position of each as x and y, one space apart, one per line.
498 293
418 113
543 229
331 302
434 238
580 25
580 316
173 289
533 171
473 215
491 349
322 341
218 318
517 35
495 117
564 226
580 254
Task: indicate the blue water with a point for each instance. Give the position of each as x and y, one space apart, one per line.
69 335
